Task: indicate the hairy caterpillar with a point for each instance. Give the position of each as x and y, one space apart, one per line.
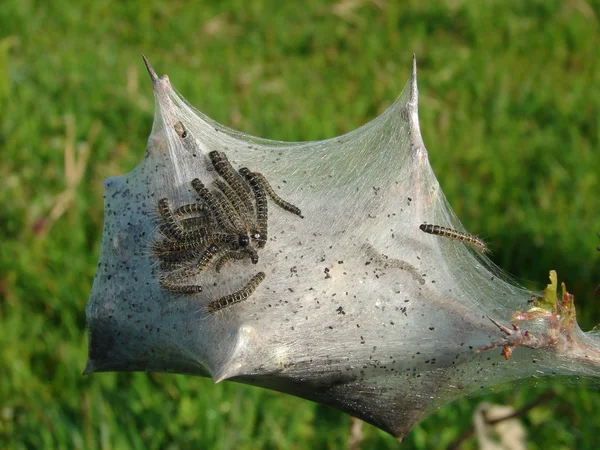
238 183
238 296
213 204
467 238
169 285
237 255
276 198
190 208
238 204
236 223
160 249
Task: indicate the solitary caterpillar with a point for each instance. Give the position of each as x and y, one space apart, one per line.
180 130
238 296
438 230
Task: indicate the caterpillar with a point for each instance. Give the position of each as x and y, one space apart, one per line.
199 265
214 205
238 296
171 265
171 228
180 130
237 224
160 249
276 198
239 206
169 285
189 209
467 238
169 225
173 258
236 255
238 183
169 281
198 225
262 208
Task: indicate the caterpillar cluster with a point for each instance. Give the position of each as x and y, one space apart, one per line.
228 223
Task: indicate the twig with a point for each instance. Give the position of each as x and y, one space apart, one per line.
356 436
545 397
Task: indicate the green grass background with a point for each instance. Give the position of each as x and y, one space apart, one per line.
510 113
